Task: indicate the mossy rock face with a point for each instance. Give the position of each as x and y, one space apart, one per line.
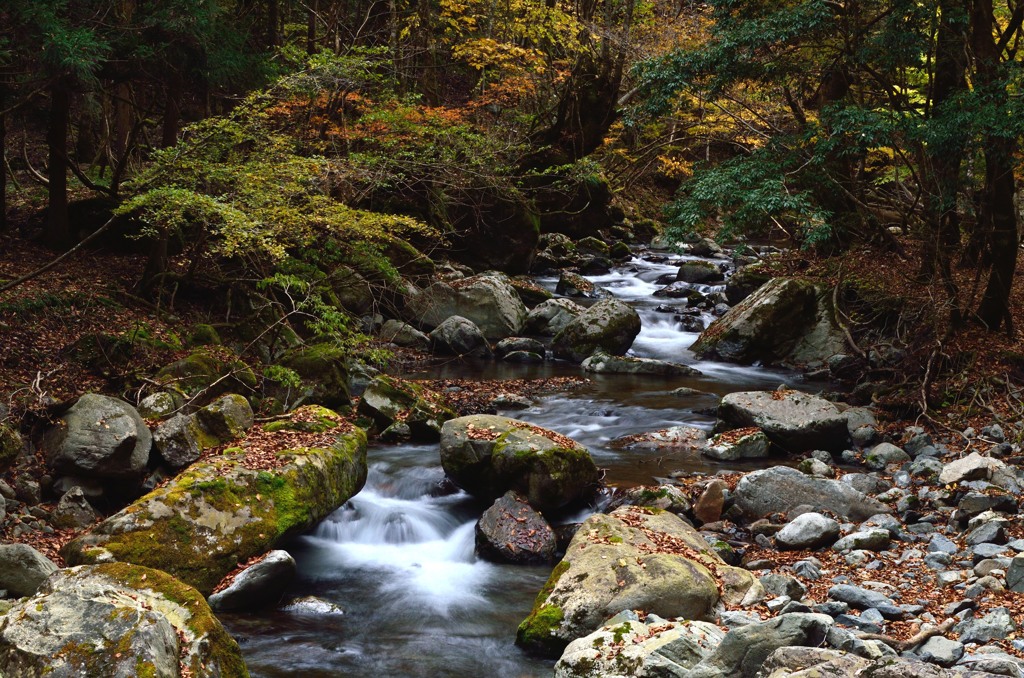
745 281
322 369
116 620
785 320
387 399
529 292
10 446
203 369
631 559
488 455
610 325
220 512
591 245
203 335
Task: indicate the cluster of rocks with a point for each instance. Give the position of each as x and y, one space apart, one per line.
908 567
133 601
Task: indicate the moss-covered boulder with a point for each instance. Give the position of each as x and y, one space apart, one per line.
387 400
550 317
182 439
745 281
785 320
116 620
10 446
699 272
631 559
202 334
211 371
609 325
488 455
323 371
228 508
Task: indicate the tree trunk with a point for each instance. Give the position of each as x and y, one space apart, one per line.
273 18
941 166
3 162
999 189
172 109
57 233
999 148
311 13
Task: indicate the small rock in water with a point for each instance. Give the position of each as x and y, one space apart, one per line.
311 605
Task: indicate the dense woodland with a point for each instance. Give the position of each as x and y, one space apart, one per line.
242 130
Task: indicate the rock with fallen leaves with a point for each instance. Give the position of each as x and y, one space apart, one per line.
233 505
116 620
743 443
609 325
511 531
794 421
631 559
258 583
387 400
98 437
488 455
634 648
74 510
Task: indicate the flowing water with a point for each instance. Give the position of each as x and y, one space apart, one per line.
398 559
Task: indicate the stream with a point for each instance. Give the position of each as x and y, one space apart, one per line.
398 559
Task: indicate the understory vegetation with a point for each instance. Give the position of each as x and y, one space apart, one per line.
263 164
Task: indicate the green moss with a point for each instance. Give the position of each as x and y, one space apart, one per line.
217 513
616 539
10 446
202 623
620 631
537 632
203 335
144 669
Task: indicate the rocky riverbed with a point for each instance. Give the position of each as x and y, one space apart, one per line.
693 524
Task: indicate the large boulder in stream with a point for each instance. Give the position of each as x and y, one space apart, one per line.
512 531
488 300
550 317
226 509
488 455
631 559
99 437
785 320
793 420
116 620
609 325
